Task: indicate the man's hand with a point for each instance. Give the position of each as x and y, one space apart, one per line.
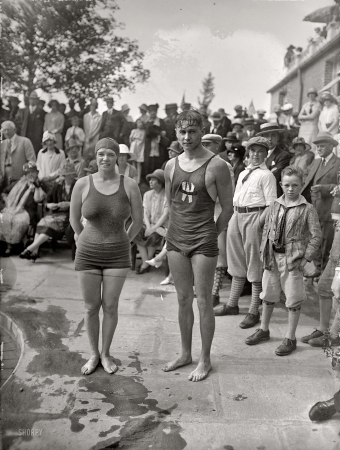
303 262
336 285
316 188
336 191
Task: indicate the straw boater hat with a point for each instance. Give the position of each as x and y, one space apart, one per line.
158 174
124 150
300 141
217 139
175 146
324 137
249 121
258 140
48 135
269 127
286 107
68 168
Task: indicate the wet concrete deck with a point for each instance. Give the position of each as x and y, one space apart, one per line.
252 399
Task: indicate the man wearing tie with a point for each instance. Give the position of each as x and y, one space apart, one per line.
30 121
322 177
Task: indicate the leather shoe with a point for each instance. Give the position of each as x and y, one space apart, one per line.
286 348
322 410
316 333
140 271
258 337
226 310
215 300
250 320
321 341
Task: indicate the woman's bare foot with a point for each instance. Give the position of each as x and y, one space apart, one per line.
108 363
91 365
179 362
201 372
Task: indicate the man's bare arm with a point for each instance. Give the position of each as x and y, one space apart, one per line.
225 194
167 175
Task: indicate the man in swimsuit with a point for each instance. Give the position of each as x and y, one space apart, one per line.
193 181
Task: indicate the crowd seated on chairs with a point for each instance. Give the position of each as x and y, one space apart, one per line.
19 216
56 223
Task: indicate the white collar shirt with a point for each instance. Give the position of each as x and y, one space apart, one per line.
259 190
328 158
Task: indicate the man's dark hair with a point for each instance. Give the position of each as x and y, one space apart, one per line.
191 117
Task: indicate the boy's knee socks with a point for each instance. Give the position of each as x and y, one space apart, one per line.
236 289
256 289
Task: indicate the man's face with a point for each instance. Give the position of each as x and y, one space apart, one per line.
216 122
228 145
312 97
324 149
153 113
8 131
75 121
109 104
291 186
212 146
257 154
71 104
250 127
189 136
33 101
237 128
272 138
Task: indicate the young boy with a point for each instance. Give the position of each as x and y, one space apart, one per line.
255 190
290 238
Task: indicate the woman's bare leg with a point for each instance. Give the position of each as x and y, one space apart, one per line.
113 282
90 286
39 239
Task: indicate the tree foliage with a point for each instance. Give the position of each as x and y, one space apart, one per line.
207 92
69 46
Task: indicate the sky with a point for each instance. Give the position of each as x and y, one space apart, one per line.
241 42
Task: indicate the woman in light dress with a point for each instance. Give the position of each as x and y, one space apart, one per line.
309 118
54 122
329 117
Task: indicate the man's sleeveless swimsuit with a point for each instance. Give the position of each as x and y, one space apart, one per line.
192 229
104 243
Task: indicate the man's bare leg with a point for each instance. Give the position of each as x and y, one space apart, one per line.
204 269
181 269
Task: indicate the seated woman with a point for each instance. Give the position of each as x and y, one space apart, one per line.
56 224
124 167
156 214
303 156
21 206
50 158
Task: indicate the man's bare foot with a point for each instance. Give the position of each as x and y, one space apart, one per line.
108 363
179 362
91 365
201 372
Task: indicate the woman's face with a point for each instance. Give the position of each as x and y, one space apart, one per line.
73 152
49 143
122 158
154 183
32 175
106 159
140 125
299 149
231 156
172 154
327 103
69 178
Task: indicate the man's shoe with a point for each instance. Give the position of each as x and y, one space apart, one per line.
316 334
250 320
322 410
286 348
258 337
215 300
321 341
226 310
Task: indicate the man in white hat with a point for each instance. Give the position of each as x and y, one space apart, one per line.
322 177
30 121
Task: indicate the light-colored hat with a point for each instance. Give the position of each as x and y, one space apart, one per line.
258 140
237 122
238 107
158 174
217 139
48 135
269 127
325 137
124 150
300 141
249 121
328 96
287 107
125 107
33 94
67 168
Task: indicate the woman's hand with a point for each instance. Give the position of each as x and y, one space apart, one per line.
303 262
64 205
52 206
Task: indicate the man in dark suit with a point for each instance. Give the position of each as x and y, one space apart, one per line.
113 122
219 128
30 121
322 177
277 158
